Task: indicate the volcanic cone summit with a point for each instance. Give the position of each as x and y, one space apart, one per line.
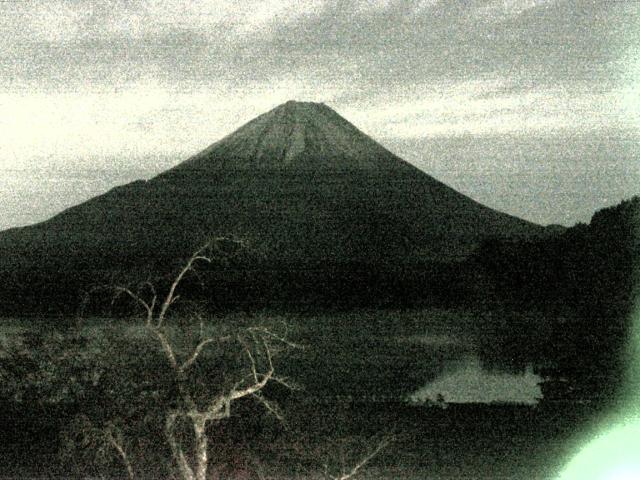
299 135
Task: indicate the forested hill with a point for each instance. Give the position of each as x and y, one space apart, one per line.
583 283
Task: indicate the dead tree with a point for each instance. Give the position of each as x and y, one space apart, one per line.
258 344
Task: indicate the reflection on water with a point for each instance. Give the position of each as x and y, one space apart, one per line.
469 382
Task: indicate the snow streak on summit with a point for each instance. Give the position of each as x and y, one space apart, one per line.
297 135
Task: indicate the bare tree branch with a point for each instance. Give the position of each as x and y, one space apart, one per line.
196 352
251 359
286 382
154 294
271 407
166 347
219 408
171 298
361 463
148 308
121 452
258 343
279 338
235 394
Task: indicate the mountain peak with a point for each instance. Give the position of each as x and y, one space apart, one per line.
297 104
296 135
294 111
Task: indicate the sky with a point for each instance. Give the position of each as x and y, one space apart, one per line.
531 107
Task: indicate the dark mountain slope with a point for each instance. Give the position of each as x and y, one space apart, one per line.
302 185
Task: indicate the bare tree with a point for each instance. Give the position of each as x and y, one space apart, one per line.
259 345
194 409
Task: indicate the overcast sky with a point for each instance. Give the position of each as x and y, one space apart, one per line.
529 106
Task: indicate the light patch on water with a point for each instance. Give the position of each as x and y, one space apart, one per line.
473 384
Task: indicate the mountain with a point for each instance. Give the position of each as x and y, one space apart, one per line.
300 184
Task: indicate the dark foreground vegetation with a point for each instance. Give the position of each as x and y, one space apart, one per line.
150 390
462 441
70 399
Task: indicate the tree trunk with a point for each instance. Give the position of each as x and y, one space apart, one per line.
186 473
199 425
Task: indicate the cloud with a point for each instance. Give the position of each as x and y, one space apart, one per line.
499 10
493 107
364 45
145 119
116 74
73 20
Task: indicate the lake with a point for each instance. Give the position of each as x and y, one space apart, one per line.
467 381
